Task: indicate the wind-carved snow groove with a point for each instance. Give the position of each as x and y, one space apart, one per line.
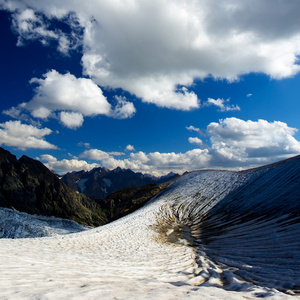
243 226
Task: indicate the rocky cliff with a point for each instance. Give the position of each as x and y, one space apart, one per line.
27 185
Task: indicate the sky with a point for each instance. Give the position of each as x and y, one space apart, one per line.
150 85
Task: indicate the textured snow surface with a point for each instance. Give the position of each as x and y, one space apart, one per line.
211 235
14 224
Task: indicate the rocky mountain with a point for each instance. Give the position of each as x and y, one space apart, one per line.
28 186
101 182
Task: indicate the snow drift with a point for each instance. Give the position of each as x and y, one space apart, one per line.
210 235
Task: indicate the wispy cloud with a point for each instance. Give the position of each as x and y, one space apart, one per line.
86 145
222 104
33 26
192 128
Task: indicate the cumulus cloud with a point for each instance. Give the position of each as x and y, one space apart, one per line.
22 136
161 163
73 97
71 120
247 141
66 165
156 163
221 104
130 148
234 143
195 140
66 92
156 49
95 154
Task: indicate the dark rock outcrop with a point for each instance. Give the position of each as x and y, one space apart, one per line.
126 201
28 186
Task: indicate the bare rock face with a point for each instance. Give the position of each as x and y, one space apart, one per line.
101 182
27 185
126 201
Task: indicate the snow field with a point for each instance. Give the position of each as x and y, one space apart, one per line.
128 259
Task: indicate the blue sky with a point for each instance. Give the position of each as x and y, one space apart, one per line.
154 86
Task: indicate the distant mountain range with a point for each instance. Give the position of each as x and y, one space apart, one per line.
29 186
101 182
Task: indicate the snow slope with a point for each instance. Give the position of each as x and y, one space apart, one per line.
15 224
210 235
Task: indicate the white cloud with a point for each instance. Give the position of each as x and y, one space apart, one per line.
235 143
95 154
66 165
13 112
192 128
124 109
86 145
195 140
33 26
16 134
57 92
249 95
116 153
252 141
155 163
150 48
222 104
130 148
71 120
73 97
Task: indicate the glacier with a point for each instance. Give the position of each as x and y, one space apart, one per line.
212 234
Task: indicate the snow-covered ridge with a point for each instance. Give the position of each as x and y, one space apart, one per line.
210 235
243 225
